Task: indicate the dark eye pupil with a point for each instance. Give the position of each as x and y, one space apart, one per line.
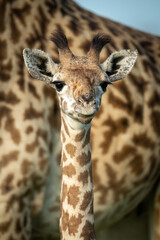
103 86
59 85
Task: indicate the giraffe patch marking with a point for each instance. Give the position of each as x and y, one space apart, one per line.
143 140
26 166
86 200
31 113
69 170
9 98
87 231
84 158
71 149
7 184
8 158
65 220
4 226
127 151
73 195
83 177
155 118
29 129
137 164
18 226
74 223
80 136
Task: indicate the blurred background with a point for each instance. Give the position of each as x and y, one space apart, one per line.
141 14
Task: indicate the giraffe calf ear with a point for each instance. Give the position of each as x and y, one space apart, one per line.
39 64
119 64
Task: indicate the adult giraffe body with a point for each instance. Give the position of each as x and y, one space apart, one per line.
125 132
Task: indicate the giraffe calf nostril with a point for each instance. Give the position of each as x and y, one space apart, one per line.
87 98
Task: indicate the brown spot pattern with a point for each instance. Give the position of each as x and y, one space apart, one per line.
143 140
10 127
88 231
138 114
114 184
65 220
31 113
154 100
33 90
71 149
5 70
126 152
85 46
94 26
8 158
155 119
43 164
116 102
137 164
29 129
18 226
74 223
80 136
26 166
73 196
139 83
115 128
6 112
84 159
4 227
87 200
69 170
9 98
83 177
74 26
64 192
32 146
7 184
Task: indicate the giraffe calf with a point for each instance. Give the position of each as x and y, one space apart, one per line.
80 83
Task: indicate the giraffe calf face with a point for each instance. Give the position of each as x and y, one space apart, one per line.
80 86
79 81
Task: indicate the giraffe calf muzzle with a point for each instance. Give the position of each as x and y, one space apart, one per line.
86 110
86 100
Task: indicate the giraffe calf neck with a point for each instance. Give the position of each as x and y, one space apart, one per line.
77 219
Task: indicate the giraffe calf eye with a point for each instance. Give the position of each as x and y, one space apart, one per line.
59 85
104 86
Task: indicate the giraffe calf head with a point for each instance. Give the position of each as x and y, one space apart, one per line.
79 81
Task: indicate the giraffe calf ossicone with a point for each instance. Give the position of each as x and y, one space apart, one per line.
80 83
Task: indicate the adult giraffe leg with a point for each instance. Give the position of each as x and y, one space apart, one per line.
155 217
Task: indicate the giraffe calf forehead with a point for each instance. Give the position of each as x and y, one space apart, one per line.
82 74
